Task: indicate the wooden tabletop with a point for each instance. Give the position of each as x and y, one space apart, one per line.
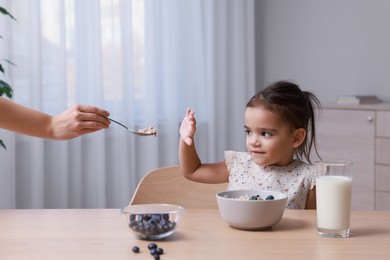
94 234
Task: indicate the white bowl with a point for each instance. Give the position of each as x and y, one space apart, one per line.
152 221
249 214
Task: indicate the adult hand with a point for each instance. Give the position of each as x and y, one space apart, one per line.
188 127
79 120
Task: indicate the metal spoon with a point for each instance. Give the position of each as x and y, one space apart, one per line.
142 132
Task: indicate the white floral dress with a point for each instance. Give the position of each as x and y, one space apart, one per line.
295 179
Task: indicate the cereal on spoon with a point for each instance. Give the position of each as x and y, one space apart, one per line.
148 130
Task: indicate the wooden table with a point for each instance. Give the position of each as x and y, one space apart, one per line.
94 234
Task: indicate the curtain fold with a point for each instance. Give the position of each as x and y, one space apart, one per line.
145 62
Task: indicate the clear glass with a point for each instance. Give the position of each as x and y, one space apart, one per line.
334 192
152 221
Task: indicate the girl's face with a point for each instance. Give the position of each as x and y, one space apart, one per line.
270 140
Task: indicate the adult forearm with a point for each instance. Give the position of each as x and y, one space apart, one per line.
73 122
20 119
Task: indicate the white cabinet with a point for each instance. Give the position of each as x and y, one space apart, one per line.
359 133
382 169
349 134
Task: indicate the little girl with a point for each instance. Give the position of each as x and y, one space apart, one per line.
280 133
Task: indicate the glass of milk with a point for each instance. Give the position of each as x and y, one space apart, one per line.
334 192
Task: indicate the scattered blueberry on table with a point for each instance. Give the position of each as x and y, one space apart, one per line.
135 249
154 250
152 246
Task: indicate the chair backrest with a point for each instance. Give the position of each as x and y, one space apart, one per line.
167 185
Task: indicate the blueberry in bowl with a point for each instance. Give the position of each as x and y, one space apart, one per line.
152 221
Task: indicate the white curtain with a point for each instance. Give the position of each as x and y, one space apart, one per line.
145 62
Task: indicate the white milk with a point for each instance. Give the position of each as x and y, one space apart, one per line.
333 201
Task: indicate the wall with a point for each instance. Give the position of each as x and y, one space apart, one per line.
333 47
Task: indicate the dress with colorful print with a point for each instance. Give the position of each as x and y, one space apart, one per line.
295 179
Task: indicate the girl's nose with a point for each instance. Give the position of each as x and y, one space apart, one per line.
254 140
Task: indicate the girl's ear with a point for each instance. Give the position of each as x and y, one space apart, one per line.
299 137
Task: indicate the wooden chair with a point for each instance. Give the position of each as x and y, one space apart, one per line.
168 185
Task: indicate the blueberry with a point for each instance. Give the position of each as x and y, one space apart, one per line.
269 197
154 230
135 249
160 251
156 218
256 197
152 246
154 251
156 257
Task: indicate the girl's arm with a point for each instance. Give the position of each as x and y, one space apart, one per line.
311 199
189 162
73 122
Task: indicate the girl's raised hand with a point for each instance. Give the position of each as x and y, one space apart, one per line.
188 127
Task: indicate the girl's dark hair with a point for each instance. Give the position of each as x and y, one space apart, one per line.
295 106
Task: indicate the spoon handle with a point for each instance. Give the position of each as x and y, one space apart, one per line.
118 123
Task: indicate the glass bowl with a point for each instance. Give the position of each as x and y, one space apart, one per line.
152 221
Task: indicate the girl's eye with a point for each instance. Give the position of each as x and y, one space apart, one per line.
247 132
266 134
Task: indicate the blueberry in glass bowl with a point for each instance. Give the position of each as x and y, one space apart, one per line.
152 221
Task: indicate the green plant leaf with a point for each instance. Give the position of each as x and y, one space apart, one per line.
2 67
9 62
3 145
5 12
6 89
